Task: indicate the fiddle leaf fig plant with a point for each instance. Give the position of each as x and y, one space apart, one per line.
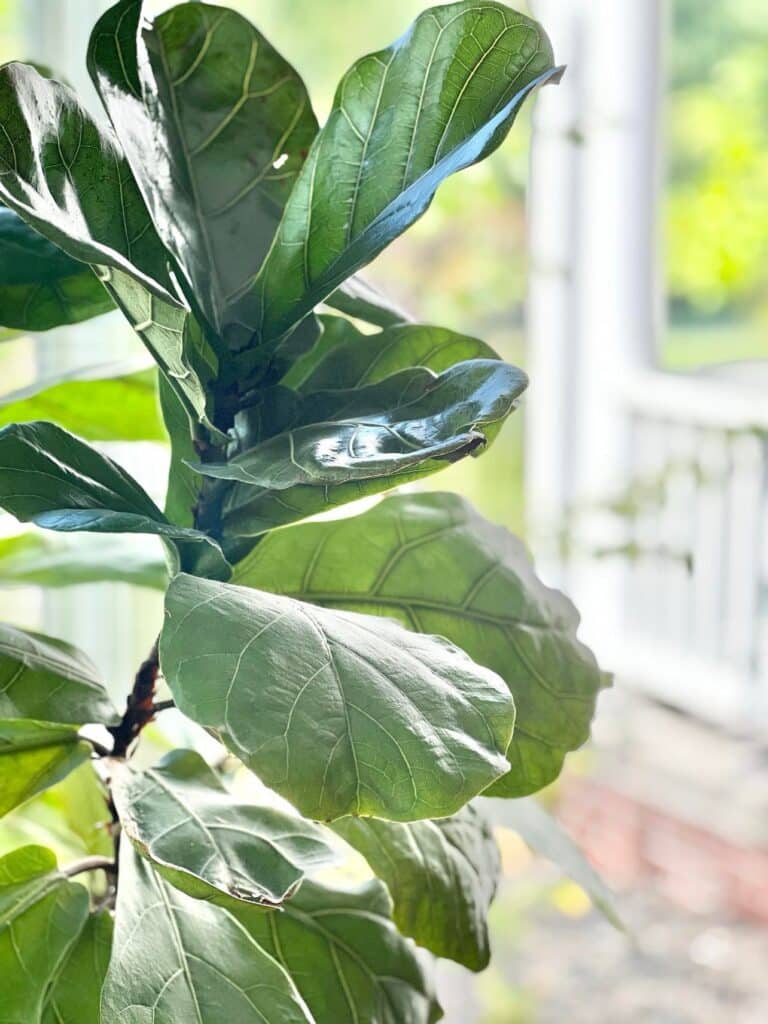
376 672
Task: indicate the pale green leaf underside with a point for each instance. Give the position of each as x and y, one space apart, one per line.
339 713
441 875
41 916
434 564
206 843
178 959
47 679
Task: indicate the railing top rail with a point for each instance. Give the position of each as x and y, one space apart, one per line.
703 401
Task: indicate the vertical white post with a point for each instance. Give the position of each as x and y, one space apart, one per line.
593 318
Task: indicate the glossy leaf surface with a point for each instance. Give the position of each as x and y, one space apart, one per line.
58 560
41 286
34 756
367 440
215 133
75 997
207 843
360 299
433 563
99 404
441 875
51 153
346 358
41 916
50 680
439 99
180 959
339 713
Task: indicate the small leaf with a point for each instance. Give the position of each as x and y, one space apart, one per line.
542 833
178 959
348 444
216 125
52 478
433 563
438 100
345 956
182 819
346 358
75 997
442 876
52 154
341 714
58 560
34 756
41 286
359 298
49 680
41 916
99 403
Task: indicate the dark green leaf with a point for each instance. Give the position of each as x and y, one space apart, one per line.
366 440
206 843
178 960
184 484
51 478
100 403
339 713
345 956
436 565
542 833
41 916
49 680
344 357
75 997
68 179
216 126
34 756
438 100
442 876
56 560
41 286
362 300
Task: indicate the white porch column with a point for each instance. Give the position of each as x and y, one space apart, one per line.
594 301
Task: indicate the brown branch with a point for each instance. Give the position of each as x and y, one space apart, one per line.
90 864
141 708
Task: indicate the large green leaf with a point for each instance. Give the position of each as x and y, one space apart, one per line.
439 99
52 478
41 286
216 125
49 680
339 713
75 996
177 959
60 560
99 403
34 756
69 180
542 833
344 357
345 956
350 443
436 565
41 916
442 876
206 843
